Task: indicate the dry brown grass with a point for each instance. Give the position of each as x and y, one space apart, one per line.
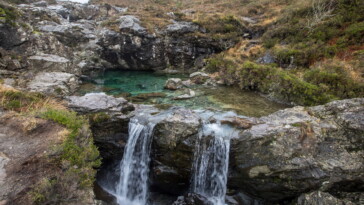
24 102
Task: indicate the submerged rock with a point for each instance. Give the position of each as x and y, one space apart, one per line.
300 149
173 147
173 84
188 95
199 77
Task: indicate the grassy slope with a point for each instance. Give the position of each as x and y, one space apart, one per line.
317 59
77 156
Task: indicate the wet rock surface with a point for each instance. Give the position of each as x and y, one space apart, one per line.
172 150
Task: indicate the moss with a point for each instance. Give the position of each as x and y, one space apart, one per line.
8 15
77 151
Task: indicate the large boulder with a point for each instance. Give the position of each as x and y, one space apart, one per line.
174 141
301 149
54 83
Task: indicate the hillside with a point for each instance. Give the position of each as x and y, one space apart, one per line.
305 52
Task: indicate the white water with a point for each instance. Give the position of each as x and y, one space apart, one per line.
212 159
132 187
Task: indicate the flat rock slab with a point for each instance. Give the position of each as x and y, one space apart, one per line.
57 83
98 102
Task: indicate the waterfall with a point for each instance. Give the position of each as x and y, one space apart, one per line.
211 161
132 187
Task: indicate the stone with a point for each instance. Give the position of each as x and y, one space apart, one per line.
299 149
99 102
54 83
182 27
132 23
199 77
48 62
192 199
173 84
173 150
188 95
238 122
320 198
267 58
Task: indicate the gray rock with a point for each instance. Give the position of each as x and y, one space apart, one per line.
173 147
182 27
48 62
41 4
188 95
301 149
320 198
55 83
98 102
199 77
267 58
173 84
131 23
192 199
249 20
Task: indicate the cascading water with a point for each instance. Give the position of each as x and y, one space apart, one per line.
212 159
134 168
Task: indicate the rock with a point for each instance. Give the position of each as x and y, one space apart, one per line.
199 77
267 58
320 198
238 122
300 149
47 63
41 4
142 97
182 27
173 150
54 83
192 199
99 102
248 20
188 95
131 23
173 84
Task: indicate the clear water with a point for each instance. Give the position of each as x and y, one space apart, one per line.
119 83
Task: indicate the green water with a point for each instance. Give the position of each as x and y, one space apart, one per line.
130 84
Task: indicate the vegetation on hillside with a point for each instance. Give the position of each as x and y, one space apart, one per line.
76 157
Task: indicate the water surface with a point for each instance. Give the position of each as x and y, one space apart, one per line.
134 83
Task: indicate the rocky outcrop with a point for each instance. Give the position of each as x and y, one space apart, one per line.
301 149
172 152
109 119
54 83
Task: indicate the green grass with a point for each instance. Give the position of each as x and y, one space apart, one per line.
17 100
77 155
